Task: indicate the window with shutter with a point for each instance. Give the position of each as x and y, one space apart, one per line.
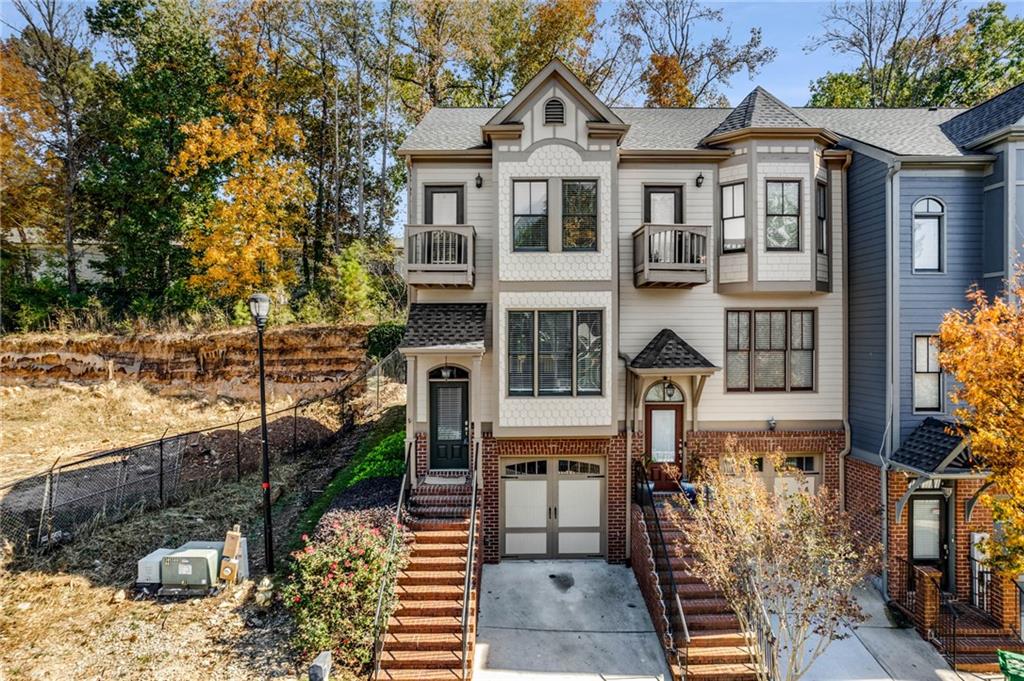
927 375
770 350
530 215
737 350
520 353
579 215
554 353
588 352
734 222
801 350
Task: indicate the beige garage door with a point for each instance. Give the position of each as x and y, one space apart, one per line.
553 507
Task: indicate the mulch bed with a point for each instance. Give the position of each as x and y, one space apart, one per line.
372 501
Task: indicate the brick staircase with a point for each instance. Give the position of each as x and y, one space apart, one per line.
978 638
718 649
424 634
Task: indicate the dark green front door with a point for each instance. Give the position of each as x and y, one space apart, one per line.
449 424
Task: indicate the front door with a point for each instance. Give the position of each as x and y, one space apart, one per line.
663 424
449 425
929 533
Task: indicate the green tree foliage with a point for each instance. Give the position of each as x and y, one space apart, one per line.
382 339
142 209
920 55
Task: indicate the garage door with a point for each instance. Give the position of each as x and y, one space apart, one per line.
553 507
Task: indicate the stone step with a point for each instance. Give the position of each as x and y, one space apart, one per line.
433 608
978 663
409 641
712 622
438 550
433 563
433 578
426 625
717 639
446 512
438 524
421 674
421 659
718 654
437 536
680 577
428 592
696 590
988 644
705 606
722 672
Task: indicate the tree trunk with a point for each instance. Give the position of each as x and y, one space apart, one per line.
69 212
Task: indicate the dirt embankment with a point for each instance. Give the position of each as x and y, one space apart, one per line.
299 360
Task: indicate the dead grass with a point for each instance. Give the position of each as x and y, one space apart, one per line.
39 424
61 616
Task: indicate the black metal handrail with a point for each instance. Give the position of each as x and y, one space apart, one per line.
378 627
642 484
468 580
761 631
945 632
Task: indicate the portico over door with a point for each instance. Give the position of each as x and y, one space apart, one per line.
449 419
664 411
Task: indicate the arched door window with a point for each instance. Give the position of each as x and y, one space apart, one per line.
929 225
664 391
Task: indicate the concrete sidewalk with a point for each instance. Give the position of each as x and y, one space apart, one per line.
564 620
878 650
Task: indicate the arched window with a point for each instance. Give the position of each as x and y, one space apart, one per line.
449 373
554 112
929 227
664 391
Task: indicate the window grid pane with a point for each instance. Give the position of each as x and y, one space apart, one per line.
770 350
554 353
782 224
927 375
520 353
588 352
737 360
927 244
822 218
530 215
579 215
734 225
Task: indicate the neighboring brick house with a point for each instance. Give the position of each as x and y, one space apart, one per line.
591 285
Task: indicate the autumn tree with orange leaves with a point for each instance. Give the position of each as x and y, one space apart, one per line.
983 350
244 244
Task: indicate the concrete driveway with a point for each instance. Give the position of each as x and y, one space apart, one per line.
555 620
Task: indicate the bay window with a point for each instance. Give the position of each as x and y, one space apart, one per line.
734 222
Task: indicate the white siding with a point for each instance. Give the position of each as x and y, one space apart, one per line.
698 314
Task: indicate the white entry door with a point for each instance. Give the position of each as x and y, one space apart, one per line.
553 507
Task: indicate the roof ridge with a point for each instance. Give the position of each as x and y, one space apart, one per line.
987 101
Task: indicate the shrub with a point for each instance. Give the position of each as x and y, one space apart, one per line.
332 590
385 460
383 339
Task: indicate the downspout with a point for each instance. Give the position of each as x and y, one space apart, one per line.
628 404
848 440
892 260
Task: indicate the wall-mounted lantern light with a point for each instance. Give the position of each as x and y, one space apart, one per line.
700 180
479 181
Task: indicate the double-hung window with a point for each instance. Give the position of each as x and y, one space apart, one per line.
927 375
579 215
769 350
782 215
734 223
821 214
530 215
555 352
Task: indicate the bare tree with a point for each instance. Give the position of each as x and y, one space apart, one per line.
786 561
897 41
55 44
667 33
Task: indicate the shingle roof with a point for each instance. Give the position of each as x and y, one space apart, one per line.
668 351
929 445
433 325
760 109
912 132
1000 111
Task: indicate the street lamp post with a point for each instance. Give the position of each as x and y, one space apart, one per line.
259 308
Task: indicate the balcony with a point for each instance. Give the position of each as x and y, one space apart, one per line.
671 256
440 256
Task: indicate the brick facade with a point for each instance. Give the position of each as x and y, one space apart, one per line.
828 443
864 499
613 449
646 571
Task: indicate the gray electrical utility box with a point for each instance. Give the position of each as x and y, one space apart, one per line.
190 569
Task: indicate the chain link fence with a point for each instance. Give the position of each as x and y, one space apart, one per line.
51 507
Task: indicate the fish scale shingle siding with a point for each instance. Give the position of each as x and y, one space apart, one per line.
866 180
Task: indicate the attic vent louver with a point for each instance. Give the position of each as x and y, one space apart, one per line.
554 112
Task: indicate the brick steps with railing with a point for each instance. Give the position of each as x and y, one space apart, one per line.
424 639
710 644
